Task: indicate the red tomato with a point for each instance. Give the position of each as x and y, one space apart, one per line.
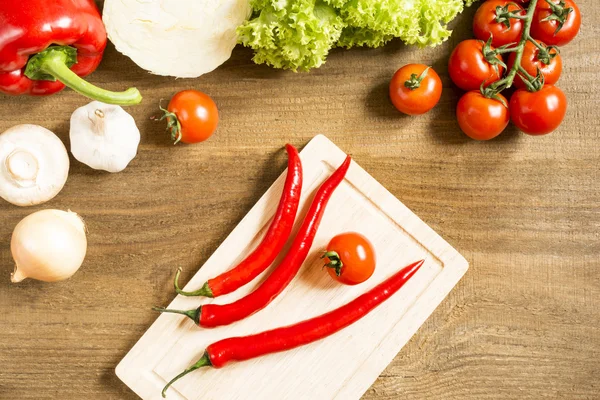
350 258
197 115
531 63
481 118
548 31
468 67
414 91
538 113
486 24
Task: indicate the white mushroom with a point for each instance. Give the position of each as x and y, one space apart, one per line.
104 136
34 165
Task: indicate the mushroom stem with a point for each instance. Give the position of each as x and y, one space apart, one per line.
23 167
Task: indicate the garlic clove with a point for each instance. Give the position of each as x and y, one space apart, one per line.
104 137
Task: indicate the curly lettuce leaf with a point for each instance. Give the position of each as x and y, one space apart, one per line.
356 37
435 15
420 22
298 34
292 34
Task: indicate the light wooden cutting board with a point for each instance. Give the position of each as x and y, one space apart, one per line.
342 366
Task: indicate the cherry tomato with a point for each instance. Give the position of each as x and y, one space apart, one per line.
468 67
548 31
481 118
538 113
531 63
197 115
350 258
486 22
415 89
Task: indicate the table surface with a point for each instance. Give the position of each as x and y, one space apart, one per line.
524 321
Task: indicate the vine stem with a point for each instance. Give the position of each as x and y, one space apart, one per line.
508 80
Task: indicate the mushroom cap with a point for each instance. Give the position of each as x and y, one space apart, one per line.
34 165
180 38
104 136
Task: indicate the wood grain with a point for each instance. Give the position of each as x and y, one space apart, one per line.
522 324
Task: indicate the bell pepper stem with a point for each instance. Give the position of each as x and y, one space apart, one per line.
54 63
203 291
204 361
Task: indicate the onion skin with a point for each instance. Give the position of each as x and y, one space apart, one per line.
48 245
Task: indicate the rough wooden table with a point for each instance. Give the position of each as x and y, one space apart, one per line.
522 324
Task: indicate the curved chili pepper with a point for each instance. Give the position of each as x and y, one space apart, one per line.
266 252
212 315
242 348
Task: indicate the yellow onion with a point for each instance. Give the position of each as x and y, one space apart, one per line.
48 245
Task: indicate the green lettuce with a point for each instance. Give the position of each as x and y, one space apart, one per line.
291 34
298 34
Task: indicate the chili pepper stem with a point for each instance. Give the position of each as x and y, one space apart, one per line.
204 361
203 291
54 63
194 315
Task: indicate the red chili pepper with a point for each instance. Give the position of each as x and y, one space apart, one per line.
45 45
212 315
243 348
266 252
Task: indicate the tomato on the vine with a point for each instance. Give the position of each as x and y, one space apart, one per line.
548 62
556 24
350 258
192 116
538 113
469 68
492 19
415 89
480 117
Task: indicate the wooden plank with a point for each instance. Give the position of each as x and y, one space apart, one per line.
357 354
522 324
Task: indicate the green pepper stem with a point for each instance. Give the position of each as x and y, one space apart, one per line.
194 315
204 361
203 291
54 63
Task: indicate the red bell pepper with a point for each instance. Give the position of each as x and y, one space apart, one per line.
45 45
